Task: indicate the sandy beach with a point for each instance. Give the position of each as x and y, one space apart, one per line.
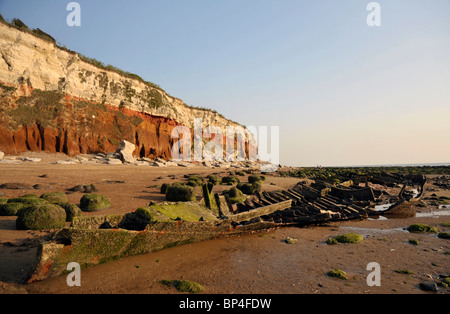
260 262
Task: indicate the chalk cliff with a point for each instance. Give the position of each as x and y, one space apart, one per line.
53 100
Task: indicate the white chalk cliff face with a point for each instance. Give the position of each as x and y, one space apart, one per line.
28 63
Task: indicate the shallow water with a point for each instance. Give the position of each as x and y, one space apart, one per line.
434 213
382 207
372 231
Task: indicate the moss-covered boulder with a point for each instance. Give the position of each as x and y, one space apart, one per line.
28 200
230 180
94 202
10 209
72 211
195 181
421 228
331 241
214 179
349 238
164 187
29 195
55 197
235 195
256 178
180 193
3 200
140 218
444 235
41 217
337 273
249 188
184 285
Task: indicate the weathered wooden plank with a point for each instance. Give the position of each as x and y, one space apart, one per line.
261 211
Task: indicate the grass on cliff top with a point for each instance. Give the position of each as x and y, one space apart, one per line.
21 26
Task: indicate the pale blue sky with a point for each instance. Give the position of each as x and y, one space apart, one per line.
343 93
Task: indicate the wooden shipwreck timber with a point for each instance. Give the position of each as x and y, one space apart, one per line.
98 239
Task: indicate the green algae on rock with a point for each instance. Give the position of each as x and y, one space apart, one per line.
349 238
94 202
41 217
55 197
180 193
184 285
72 211
28 200
421 228
10 209
337 273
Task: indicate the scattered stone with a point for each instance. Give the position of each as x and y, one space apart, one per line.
332 241
42 187
114 161
65 162
10 161
171 164
114 181
2 154
29 159
184 285
404 271
289 240
145 159
184 164
16 186
82 159
428 286
84 188
337 273
94 202
125 151
159 164
141 163
206 164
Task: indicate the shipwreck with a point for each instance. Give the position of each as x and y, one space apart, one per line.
91 240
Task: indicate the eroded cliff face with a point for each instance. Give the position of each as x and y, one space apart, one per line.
57 122
52 100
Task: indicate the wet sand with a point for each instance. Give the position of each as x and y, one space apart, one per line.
254 263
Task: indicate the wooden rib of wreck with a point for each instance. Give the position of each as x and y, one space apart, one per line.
98 239
404 204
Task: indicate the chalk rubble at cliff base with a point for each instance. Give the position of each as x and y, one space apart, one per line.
114 158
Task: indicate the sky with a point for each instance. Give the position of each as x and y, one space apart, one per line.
341 92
